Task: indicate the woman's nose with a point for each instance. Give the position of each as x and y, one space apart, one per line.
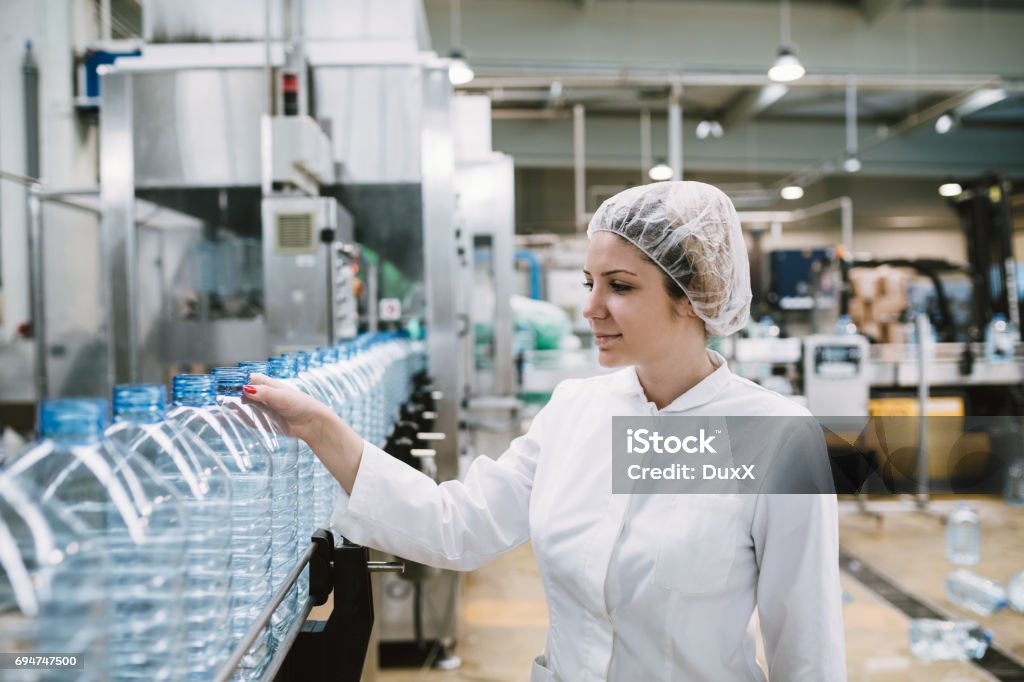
594 307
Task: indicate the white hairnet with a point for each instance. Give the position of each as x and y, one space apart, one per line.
691 231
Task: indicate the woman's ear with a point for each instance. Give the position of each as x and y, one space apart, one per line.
684 308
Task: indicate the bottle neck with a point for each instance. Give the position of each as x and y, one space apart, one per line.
140 415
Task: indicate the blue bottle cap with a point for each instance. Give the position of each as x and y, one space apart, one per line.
143 403
279 368
194 390
230 379
75 420
254 367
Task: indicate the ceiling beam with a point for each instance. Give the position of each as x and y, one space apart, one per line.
749 103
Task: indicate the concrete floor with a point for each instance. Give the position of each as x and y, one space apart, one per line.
505 617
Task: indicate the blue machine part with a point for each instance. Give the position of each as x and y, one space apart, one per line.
89 77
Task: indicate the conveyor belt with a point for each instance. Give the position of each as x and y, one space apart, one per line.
995 662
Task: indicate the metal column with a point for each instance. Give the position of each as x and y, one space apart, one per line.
117 200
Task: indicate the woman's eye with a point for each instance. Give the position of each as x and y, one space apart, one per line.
620 288
589 286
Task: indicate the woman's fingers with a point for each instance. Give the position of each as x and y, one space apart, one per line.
262 379
272 396
299 411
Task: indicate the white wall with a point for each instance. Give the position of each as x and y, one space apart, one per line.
67 155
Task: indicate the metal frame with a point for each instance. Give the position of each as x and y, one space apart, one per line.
117 202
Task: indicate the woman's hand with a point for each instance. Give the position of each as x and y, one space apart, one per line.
302 414
331 439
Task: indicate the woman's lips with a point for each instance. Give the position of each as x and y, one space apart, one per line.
605 339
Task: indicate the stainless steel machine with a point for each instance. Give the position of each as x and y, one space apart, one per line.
836 374
302 149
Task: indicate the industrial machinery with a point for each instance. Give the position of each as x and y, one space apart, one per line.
835 374
311 159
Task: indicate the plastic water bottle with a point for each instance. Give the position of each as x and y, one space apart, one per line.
844 326
133 516
1000 339
284 453
286 369
1015 592
203 486
947 640
1013 490
974 592
53 592
241 452
962 536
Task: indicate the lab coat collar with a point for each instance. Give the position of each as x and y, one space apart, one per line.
704 392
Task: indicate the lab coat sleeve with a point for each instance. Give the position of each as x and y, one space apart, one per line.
799 600
457 525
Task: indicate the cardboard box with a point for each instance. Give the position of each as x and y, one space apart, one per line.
892 282
864 282
888 308
893 332
861 311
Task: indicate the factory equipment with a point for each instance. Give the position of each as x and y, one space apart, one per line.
286 199
835 372
305 240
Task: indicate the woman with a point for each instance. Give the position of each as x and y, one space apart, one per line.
639 587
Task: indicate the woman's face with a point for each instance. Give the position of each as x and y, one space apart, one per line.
634 320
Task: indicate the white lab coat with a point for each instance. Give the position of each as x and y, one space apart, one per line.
639 587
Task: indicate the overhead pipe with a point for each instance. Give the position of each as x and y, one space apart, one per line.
675 132
842 204
616 78
579 166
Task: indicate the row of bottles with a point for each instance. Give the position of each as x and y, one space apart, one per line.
152 545
935 640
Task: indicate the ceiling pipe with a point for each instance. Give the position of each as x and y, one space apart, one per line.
579 142
865 82
842 204
675 132
812 174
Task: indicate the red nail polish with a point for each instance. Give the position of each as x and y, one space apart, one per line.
249 388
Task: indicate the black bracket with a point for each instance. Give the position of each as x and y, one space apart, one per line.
334 650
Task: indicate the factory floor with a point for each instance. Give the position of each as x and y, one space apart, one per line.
504 617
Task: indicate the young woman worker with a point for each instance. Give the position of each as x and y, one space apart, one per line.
639 587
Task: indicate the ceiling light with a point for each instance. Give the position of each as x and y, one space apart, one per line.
708 128
787 67
792 192
979 100
660 171
851 164
944 123
950 189
459 72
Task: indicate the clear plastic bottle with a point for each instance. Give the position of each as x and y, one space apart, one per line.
240 450
963 538
1013 490
204 488
136 520
1015 592
946 640
975 593
844 326
53 586
284 454
1001 339
280 368
286 369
